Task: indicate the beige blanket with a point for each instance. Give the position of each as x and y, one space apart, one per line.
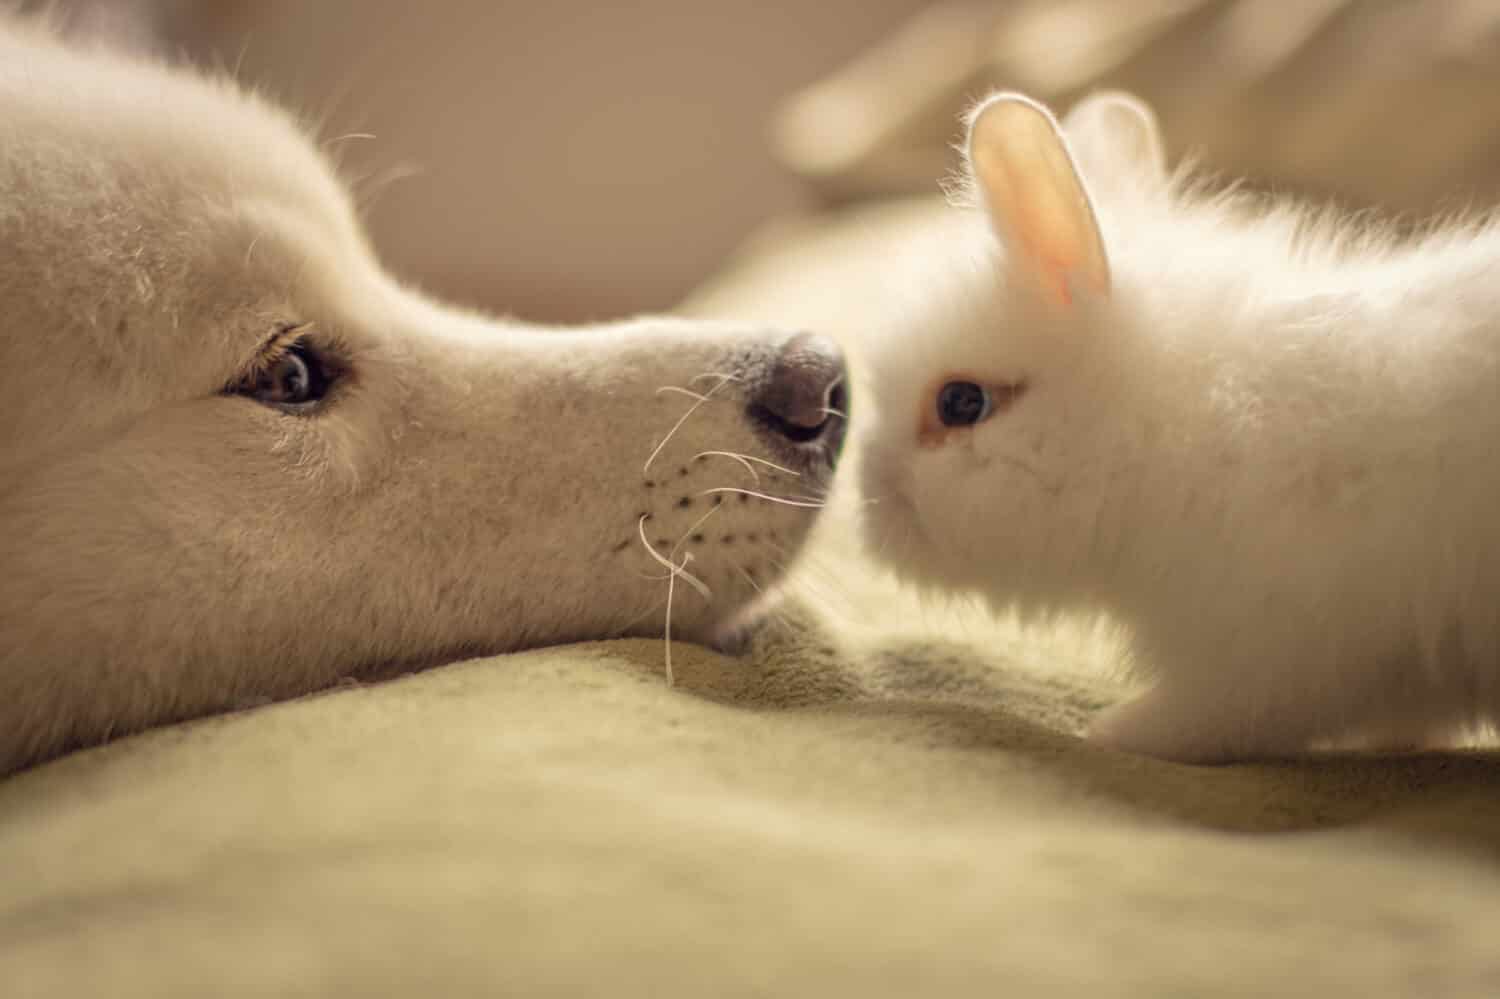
879 799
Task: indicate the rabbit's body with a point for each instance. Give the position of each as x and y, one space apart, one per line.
1264 443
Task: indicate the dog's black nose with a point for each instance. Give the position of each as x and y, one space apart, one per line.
805 401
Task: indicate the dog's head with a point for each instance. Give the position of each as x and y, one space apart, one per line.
237 459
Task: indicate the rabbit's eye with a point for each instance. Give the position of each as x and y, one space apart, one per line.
963 404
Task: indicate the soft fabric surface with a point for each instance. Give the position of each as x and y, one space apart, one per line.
876 799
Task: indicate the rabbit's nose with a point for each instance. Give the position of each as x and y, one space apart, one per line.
805 401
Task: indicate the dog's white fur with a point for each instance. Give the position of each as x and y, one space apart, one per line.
167 549
1262 438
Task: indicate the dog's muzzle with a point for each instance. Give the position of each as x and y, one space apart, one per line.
802 408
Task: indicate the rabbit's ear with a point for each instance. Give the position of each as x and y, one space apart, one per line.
1114 134
1035 198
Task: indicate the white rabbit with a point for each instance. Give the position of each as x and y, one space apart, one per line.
1263 439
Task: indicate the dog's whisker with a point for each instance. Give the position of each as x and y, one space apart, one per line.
748 578
742 459
624 628
689 532
782 568
682 391
724 380
807 502
723 377
672 556
745 460
673 571
667 629
347 136
671 578
672 568
678 571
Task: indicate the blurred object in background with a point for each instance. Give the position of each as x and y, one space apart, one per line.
581 160
160 27
1393 103
563 161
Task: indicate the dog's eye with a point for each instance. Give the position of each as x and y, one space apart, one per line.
296 380
963 404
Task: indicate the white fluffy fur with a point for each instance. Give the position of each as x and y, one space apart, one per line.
1269 450
167 550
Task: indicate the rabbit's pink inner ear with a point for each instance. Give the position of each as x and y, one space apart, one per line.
1035 198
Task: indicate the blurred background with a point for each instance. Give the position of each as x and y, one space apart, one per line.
572 161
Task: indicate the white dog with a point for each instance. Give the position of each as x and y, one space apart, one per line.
237 460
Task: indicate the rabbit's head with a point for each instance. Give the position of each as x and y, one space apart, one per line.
1007 440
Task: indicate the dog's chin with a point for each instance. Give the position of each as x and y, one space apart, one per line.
734 640
734 635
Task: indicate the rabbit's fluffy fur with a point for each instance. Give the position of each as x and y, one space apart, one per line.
1260 437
